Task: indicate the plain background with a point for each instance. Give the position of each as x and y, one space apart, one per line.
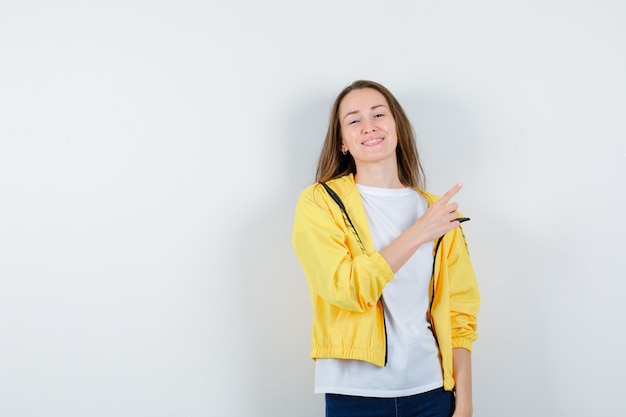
151 154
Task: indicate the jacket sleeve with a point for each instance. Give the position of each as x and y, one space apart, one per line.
464 294
336 268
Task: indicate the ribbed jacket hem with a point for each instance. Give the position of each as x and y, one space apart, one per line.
376 358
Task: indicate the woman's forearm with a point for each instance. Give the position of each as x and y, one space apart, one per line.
462 372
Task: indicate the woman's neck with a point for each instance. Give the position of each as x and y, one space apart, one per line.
377 175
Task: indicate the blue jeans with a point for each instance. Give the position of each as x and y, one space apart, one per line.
435 403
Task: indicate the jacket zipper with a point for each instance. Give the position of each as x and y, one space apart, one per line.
385 329
337 200
432 296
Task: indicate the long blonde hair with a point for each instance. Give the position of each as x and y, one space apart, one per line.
333 164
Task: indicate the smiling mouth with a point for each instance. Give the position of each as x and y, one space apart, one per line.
373 141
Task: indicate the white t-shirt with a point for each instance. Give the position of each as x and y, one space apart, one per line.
413 364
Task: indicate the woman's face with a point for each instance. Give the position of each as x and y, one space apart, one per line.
368 129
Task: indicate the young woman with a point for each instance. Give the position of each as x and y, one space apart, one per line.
394 295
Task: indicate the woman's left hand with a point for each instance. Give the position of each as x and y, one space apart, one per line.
459 413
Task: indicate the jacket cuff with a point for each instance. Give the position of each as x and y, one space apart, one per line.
379 260
462 343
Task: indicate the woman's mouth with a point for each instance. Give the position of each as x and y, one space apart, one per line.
372 141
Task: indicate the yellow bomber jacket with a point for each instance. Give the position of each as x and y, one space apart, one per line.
346 280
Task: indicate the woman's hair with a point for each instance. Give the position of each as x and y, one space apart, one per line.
334 164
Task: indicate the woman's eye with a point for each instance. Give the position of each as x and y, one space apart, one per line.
351 122
379 115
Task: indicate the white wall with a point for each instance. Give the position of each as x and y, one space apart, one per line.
151 153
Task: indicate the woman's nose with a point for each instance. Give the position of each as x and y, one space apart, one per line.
368 127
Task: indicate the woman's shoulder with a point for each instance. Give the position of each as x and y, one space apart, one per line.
341 186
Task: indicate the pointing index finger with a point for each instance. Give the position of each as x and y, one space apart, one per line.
450 193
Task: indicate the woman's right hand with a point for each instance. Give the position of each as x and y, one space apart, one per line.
440 217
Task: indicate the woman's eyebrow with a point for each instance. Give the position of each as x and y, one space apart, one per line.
380 105
350 113
357 111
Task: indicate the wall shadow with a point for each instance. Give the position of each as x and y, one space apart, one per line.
274 290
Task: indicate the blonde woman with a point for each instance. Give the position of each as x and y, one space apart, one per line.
394 294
